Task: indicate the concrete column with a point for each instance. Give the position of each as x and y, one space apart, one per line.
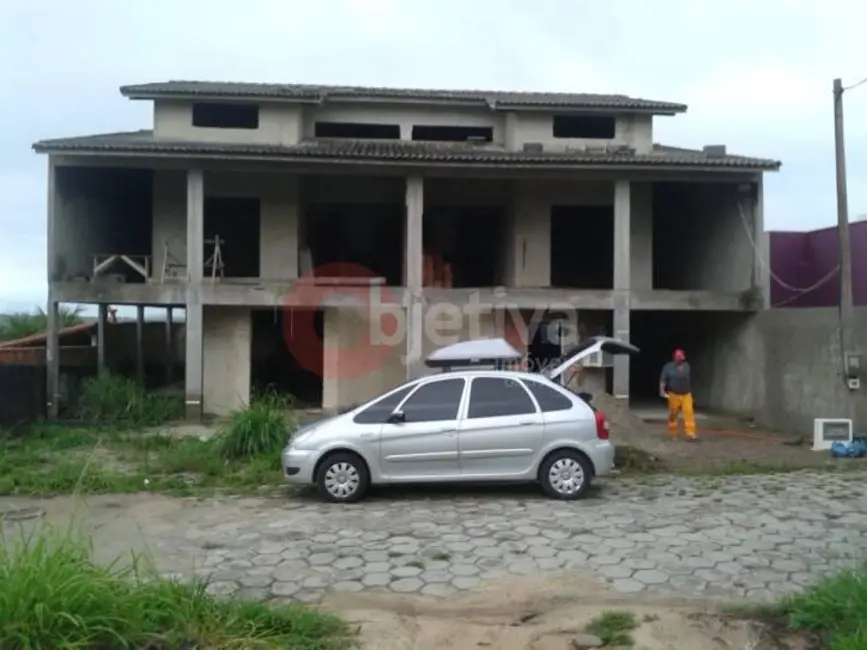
227 336
52 359
279 229
413 274
170 346
139 343
101 321
52 348
641 235
195 226
622 281
761 246
193 388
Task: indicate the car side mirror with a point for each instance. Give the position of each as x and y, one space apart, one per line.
397 417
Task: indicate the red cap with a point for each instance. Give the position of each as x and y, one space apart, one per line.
679 355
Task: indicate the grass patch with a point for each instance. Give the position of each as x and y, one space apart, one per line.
116 401
47 460
613 628
831 614
633 460
835 608
55 596
258 429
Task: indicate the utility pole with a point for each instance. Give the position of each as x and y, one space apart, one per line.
847 308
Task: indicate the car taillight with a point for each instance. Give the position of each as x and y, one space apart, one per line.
603 431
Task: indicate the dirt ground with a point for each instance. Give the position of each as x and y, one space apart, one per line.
723 442
527 614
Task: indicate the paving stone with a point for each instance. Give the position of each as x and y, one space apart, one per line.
650 576
758 535
438 590
376 579
285 588
406 571
406 585
466 583
464 569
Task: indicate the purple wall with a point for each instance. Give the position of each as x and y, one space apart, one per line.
801 260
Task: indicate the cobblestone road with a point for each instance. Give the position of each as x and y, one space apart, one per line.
757 537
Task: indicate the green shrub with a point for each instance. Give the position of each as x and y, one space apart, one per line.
55 596
835 607
120 401
261 428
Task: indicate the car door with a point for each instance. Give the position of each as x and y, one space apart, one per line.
501 430
423 444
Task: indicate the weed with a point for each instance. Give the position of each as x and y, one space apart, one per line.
116 401
55 596
613 628
261 428
51 460
835 608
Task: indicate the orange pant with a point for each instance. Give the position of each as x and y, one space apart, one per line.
676 405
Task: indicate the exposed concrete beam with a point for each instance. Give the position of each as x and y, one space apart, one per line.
280 294
368 168
663 300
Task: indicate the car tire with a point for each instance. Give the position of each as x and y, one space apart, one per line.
566 475
342 478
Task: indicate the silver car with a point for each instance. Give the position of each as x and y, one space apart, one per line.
466 424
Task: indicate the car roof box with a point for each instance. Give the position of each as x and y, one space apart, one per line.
474 354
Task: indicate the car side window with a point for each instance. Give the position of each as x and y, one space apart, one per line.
497 396
435 401
549 399
378 412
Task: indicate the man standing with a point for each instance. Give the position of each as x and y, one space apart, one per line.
676 387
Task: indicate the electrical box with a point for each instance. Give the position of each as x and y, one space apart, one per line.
827 431
852 368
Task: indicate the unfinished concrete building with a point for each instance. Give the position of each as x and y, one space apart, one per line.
496 203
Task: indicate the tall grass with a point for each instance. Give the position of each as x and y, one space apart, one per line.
835 607
261 428
54 595
114 400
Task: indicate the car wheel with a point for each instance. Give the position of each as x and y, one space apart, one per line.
342 478
565 475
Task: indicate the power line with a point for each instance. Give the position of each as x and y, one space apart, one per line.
855 85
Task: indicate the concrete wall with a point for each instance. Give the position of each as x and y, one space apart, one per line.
702 242
632 130
407 117
279 217
350 379
804 259
97 211
279 124
803 377
227 341
288 124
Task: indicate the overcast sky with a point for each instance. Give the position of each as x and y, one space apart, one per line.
756 75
